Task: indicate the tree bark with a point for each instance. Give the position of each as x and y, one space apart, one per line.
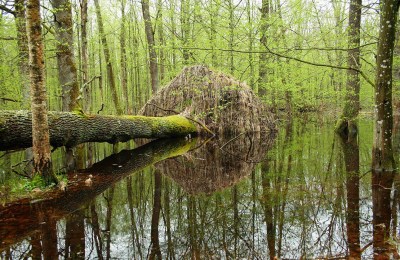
185 29
123 60
382 151
38 125
85 57
69 129
22 42
262 74
66 67
352 103
151 43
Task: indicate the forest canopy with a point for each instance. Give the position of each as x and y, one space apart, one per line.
225 35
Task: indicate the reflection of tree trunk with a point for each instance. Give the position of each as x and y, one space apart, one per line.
135 234
192 223
381 212
352 164
49 237
268 212
96 231
236 221
288 138
75 235
167 212
109 200
36 251
155 252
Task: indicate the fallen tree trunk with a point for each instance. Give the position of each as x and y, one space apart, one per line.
70 129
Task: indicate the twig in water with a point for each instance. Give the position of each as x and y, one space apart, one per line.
233 139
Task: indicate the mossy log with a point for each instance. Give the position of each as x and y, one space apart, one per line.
70 129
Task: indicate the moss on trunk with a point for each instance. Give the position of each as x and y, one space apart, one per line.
69 129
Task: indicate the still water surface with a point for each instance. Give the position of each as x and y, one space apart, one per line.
303 194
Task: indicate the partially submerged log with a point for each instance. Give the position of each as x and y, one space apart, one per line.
70 129
222 103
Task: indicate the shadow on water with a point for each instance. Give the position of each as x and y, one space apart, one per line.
306 194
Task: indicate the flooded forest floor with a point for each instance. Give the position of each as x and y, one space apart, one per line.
292 195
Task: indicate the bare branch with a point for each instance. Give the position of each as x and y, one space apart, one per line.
9 99
8 38
322 65
286 57
8 10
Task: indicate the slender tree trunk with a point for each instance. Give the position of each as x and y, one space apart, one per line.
352 102
185 29
23 57
23 64
173 31
382 152
231 36
214 11
262 74
107 56
151 44
67 73
40 128
251 42
124 68
85 57
160 24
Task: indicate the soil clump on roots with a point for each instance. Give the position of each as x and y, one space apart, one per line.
220 102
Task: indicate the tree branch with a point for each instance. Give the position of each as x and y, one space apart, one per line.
321 65
9 99
8 10
288 57
9 38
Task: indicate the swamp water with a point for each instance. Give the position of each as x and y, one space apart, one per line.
303 194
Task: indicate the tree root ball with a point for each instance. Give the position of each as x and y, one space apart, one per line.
222 103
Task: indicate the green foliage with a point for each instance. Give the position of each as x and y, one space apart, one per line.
304 30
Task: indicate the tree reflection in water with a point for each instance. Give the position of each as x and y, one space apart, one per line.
308 195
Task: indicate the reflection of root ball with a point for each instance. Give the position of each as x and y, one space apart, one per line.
210 168
222 103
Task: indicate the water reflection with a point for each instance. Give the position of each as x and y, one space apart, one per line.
21 219
306 194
